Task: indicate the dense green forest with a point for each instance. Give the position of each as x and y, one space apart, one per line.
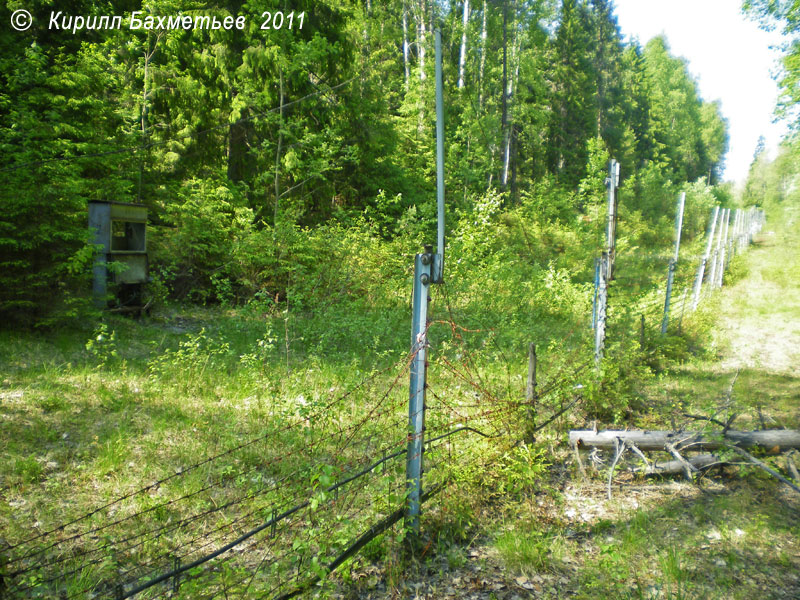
276 163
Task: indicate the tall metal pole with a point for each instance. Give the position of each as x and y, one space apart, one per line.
673 263
698 282
602 302
439 265
611 233
723 259
428 269
604 271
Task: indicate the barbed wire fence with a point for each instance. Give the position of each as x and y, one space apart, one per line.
730 233
295 503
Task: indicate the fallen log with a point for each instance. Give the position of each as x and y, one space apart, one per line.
774 440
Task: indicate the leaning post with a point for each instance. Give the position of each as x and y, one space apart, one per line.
698 282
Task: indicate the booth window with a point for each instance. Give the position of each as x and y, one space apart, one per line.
127 236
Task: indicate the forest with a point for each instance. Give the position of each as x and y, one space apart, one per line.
248 430
246 145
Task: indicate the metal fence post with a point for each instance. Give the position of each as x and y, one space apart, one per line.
428 269
698 282
530 392
673 263
723 259
594 297
423 275
602 301
604 268
670 277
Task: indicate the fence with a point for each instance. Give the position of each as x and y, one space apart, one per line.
664 309
272 516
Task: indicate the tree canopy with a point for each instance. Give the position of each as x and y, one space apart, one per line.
229 134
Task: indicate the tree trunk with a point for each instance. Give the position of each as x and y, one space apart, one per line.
421 39
504 98
462 58
278 153
405 46
148 55
508 105
483 60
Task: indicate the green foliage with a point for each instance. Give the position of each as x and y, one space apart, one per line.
102 345
772 14
250 150
188 365
521 470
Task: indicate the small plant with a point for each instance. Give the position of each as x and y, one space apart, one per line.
102 345
521 468
265 345
190 361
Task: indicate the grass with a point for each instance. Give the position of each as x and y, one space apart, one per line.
94 415
736 540
100 412
737 534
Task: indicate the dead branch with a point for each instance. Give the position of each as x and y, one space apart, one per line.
704 418
688 468
620 448
791 467
763 466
